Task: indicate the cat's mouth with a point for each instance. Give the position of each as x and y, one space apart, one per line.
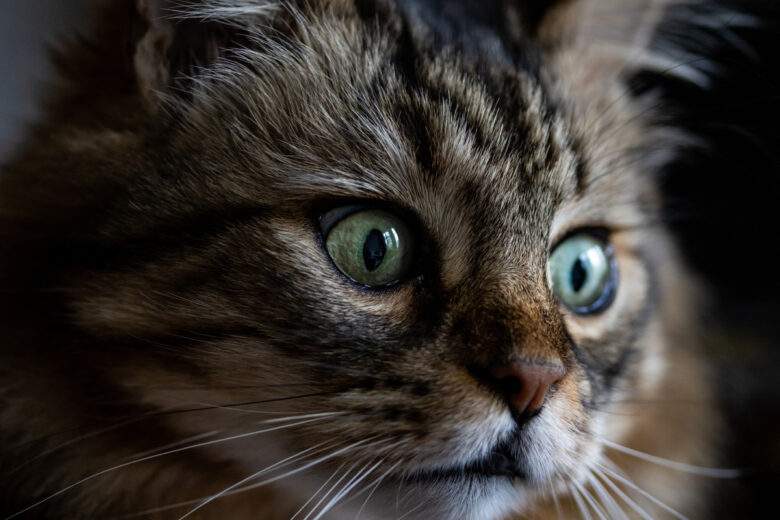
501 462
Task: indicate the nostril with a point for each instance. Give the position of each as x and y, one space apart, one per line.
509 385
525 384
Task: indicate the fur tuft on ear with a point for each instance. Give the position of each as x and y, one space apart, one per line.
612 37
151 55
184 37
594 48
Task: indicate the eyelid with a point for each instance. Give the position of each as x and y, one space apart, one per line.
332 217
599 232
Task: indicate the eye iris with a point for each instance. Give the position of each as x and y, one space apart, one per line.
582 274
374 249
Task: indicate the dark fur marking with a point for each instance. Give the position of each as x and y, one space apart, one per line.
420 389
157 239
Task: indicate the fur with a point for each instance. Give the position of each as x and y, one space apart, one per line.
167 301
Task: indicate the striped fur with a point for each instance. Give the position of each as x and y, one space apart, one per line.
160 256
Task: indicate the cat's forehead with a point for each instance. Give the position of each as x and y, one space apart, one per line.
475 150
360 110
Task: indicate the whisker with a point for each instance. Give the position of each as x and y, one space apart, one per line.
145 416
242 481
555 500
411 511
313 463
278 465
373 486
642 492
174 444
238 408
245 403
406 496
614 508
357 479
584 514
72 441
619 492
151 457
304 416
376 482
184 388
398 495
671 464
330 490
319 490
589 499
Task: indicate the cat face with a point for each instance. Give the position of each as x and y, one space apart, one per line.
410 263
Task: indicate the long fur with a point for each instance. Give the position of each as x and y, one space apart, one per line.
164 277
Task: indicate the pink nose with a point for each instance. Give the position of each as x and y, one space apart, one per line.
526 384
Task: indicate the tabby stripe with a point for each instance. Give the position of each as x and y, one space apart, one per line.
171 235
407 61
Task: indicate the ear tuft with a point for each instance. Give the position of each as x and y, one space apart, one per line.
536 15
151 54
183 37
675 38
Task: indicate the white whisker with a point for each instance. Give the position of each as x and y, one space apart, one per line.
270 480
583 509
619 492
373 486
319 490
554 496
151 457
644 493
614 508
280 464
246 479
589 499
671 464
174 444
305 416
79 439
357 479
411 511
330 490
311 464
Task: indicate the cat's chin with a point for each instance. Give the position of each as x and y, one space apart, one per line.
521 470
465 496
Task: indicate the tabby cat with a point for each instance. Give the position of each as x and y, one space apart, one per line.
352 259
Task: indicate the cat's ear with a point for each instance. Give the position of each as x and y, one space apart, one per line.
180 39
539 16
607 39
609 35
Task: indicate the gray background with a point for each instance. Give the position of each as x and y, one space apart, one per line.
26 26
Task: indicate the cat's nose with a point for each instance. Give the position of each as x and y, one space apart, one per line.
525 384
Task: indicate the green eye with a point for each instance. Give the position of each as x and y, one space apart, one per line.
583 274
371 247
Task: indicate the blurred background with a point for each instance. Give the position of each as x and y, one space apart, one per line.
724 205
724 202
26 28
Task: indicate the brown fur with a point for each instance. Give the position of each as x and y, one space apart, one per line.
163 278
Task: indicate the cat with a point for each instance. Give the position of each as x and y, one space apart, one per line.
352 258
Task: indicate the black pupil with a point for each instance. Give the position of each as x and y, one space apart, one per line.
374 249
578 275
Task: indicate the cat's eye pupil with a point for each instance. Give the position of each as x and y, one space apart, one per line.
578 275
374 249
